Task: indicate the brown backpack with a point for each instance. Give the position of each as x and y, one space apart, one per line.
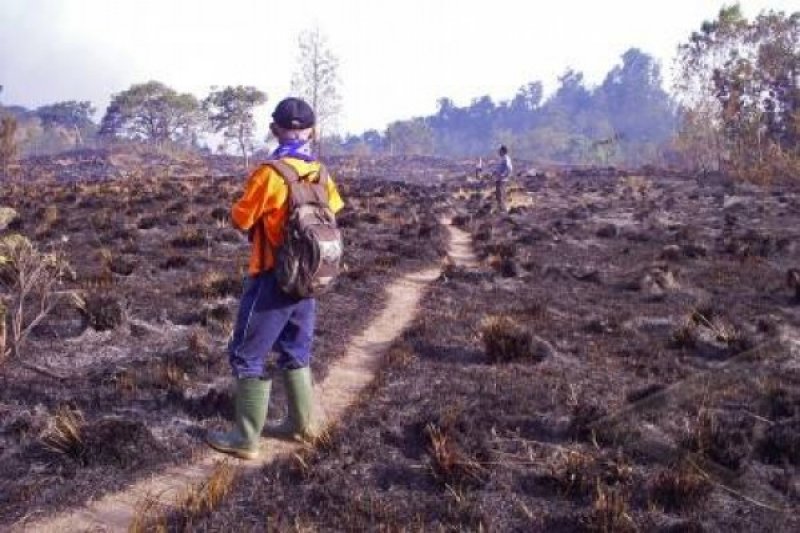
308 261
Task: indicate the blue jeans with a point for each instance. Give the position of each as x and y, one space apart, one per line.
270 320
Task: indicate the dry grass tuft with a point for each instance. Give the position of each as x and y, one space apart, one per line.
679 488
723 437
125 381
174 262
573 472
48 218
684 336
213 285
448 462
505 339
195 503
173 375
64 433
722 331
207 497
220 215
199 344
149 517
190 238
400 356
609 513
104 311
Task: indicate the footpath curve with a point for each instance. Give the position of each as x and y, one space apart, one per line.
346 379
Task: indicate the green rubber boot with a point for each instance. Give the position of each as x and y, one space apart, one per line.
252 397
300 394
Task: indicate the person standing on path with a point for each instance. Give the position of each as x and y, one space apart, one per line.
269 319
501 174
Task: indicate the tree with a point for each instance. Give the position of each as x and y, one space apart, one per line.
410 137
639 114
636 104
8 143
520 114
152 112
572 97
745 75
71 115
317 77
230 111
29 288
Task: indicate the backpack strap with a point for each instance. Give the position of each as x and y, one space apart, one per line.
286 171
302 191
324 175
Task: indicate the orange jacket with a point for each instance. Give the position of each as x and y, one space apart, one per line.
265 202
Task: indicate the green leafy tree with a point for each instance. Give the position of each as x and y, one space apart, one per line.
230 111
154 113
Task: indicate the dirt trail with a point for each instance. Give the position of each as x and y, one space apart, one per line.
461 252
345 381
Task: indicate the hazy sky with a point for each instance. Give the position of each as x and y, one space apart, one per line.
397 58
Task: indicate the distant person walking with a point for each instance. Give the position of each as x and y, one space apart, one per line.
269 318
501 174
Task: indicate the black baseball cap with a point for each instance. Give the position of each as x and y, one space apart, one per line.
294 114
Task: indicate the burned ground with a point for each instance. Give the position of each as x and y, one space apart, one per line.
623 358
647 376
135 369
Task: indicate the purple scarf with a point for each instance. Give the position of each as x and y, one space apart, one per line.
296 149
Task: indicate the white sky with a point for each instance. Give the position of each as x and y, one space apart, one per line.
397 58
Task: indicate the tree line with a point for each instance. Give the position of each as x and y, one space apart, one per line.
735 108
625 120
149 112
156 114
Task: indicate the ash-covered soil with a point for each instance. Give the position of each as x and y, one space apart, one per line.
132 372
625 359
